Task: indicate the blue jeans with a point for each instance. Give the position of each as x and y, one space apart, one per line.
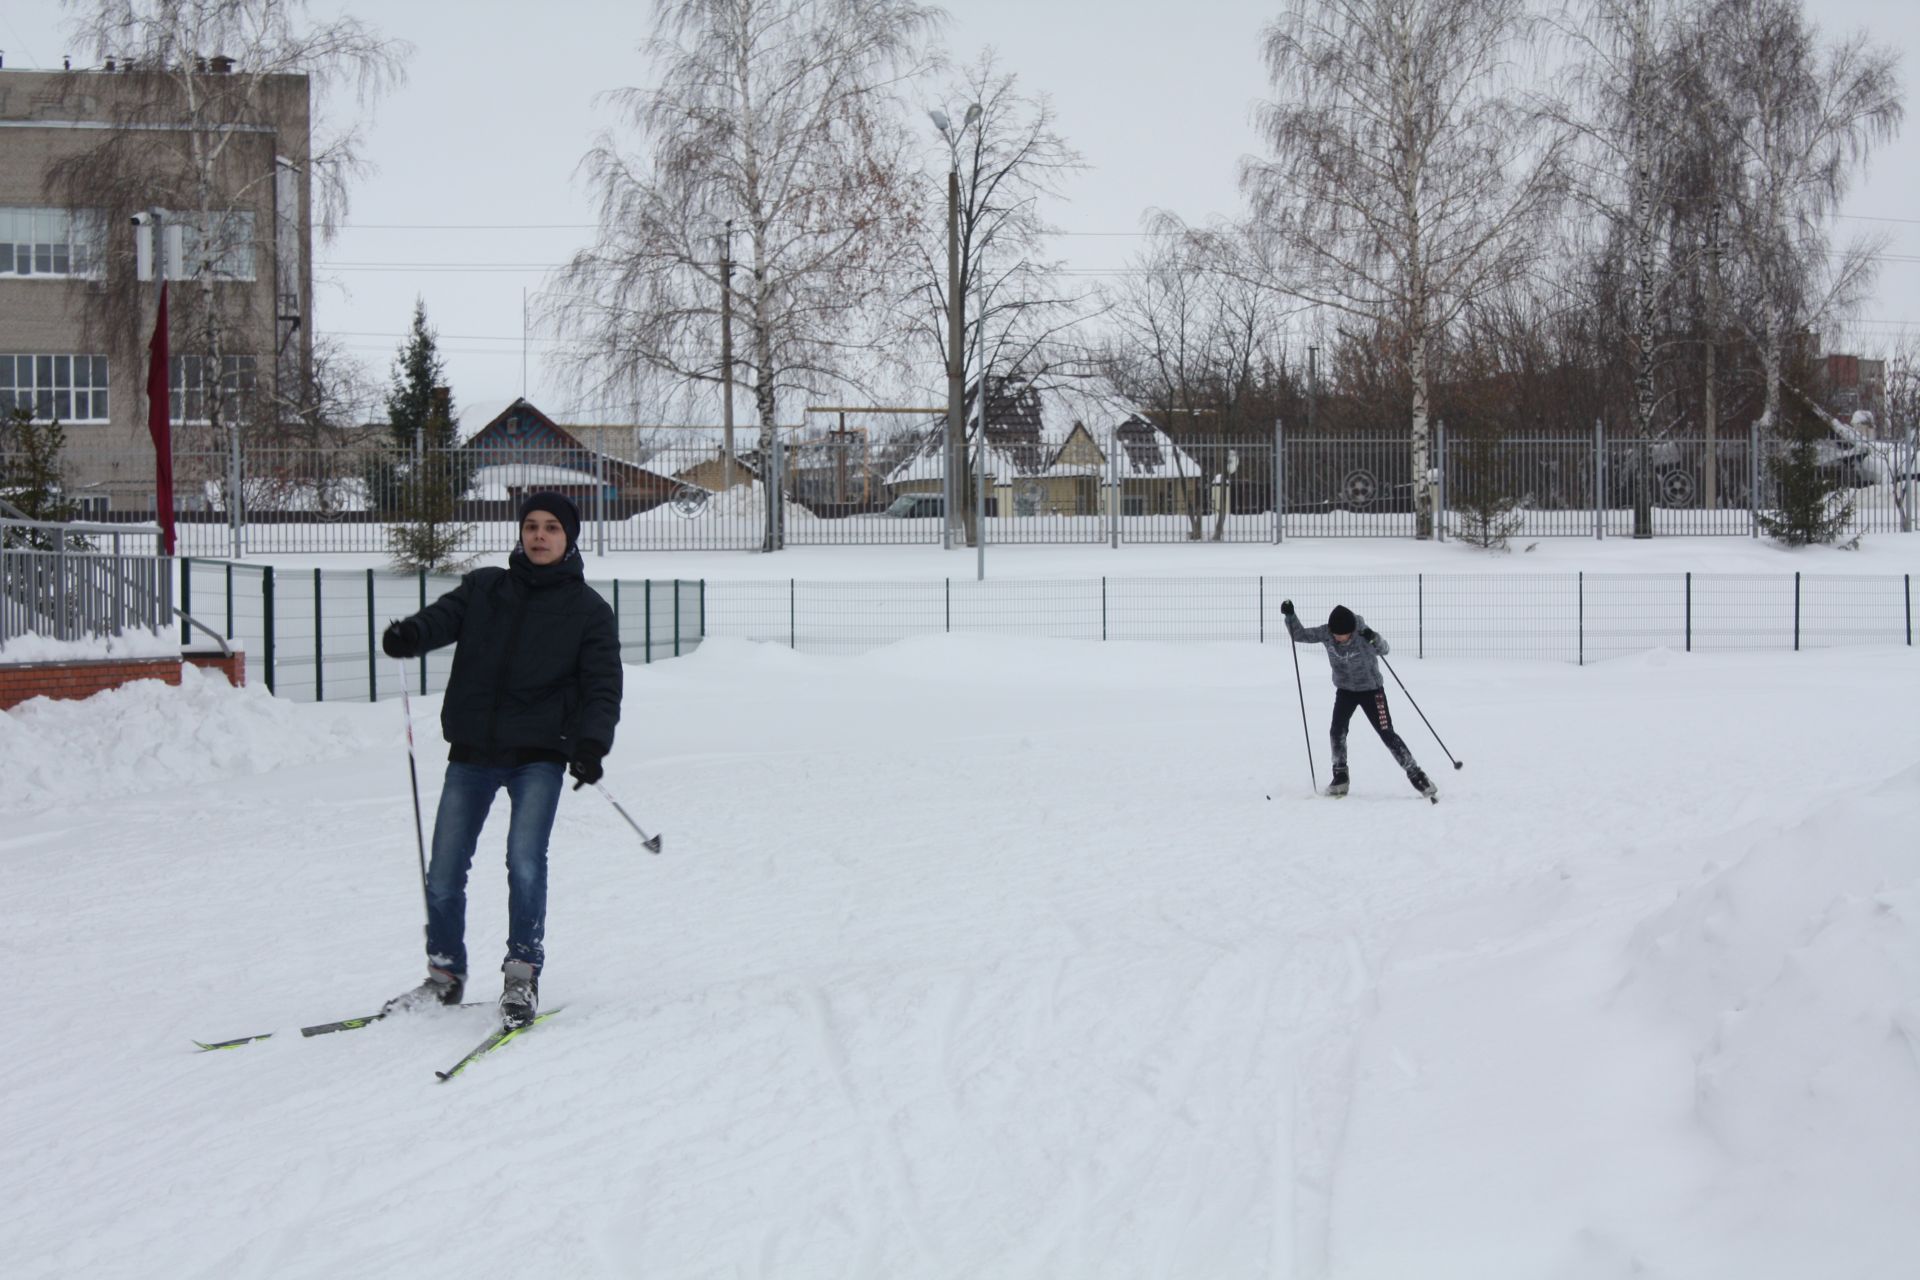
533 790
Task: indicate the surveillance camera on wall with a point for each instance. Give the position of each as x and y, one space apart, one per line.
139 219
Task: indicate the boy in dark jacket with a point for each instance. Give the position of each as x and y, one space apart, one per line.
1352 647
535 691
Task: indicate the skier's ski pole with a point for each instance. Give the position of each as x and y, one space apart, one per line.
1458 764
1313 775
652 842
413 774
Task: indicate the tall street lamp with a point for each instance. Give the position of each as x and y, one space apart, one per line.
956 327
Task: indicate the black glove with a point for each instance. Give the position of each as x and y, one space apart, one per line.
1366 633
401 640
585 764
1286 607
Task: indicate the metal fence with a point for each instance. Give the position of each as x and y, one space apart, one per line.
1572 617
314 635
654 490
79 581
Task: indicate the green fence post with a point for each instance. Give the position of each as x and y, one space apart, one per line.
229 600
266 609
1689 611
1263 608
319 667
703 608
1582 618
619 641
373 647
647 586
793 640
1420 615
1909 582
676 617
186 598
1103 606
1796 611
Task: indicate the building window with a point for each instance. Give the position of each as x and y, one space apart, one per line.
188 379
227 251
55 388
48 242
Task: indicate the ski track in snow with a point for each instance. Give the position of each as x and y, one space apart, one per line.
983 959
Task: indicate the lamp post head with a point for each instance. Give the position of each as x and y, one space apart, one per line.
940 120
973 114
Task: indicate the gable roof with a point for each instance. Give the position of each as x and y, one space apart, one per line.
1028 431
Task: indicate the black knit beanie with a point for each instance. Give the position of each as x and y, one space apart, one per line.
1340 621
561 508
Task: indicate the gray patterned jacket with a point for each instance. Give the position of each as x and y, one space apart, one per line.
1354 663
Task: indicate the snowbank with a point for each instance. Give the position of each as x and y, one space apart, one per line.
148 736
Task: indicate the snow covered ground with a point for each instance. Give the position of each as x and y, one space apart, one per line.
978 957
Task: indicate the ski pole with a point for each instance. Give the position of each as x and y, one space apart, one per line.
651 842
1458 764
413 775
1313 775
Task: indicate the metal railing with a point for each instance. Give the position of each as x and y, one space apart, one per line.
660 491
314 634
55 582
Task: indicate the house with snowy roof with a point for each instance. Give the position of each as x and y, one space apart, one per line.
1048 453
523 451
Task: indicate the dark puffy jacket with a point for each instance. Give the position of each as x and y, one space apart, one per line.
538 663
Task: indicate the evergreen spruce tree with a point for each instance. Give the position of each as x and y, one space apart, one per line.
1807 507
30 480
417 370
429 483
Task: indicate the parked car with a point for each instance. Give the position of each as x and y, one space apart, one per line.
914 506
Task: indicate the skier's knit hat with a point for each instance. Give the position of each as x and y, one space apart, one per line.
1340 621
560 507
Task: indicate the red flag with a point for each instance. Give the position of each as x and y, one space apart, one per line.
157 423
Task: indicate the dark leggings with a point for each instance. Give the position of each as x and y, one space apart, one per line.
1345 702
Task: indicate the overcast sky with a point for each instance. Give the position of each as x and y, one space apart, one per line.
475 197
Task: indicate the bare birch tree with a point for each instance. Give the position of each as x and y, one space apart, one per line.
1803 120
1191 326
215 114
1636 137
1404 174
772 126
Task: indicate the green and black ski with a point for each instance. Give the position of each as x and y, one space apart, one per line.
493 1042
322 1029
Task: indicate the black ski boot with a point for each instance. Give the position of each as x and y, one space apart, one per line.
440 987
520 995
1338 787
1423 784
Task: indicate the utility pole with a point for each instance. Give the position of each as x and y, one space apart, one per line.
726 355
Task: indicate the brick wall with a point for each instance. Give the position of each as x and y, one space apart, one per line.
233 667
79 679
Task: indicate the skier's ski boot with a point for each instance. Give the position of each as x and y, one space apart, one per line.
1338 787
520 996
1423 784
440 987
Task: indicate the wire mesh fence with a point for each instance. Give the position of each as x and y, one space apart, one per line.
314 634
1574 617
659 490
